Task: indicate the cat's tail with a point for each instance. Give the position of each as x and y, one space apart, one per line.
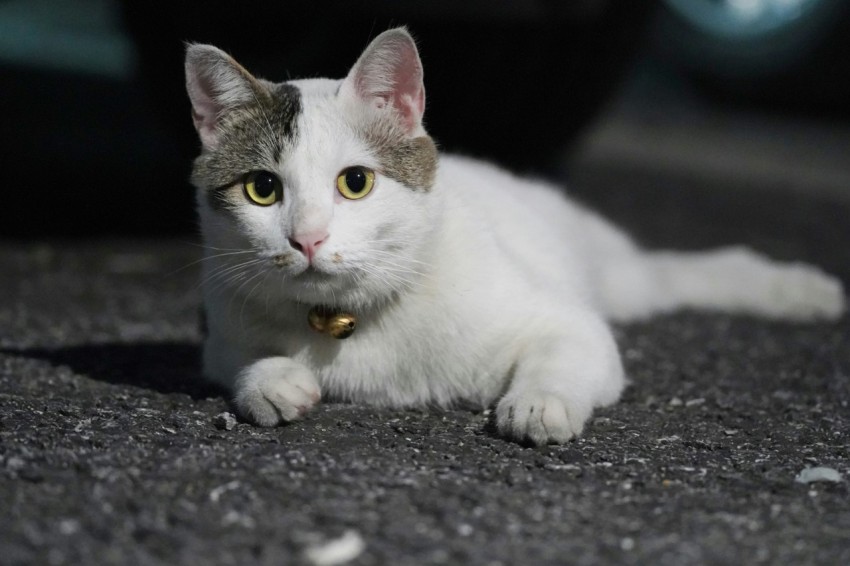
728 279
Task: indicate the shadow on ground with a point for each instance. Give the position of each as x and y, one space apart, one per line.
164 367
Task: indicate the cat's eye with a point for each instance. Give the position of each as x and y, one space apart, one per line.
355 182
262 188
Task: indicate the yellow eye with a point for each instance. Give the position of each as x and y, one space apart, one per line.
355 182
262 188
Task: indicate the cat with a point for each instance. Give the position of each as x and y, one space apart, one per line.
468 285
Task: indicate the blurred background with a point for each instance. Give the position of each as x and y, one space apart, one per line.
693 122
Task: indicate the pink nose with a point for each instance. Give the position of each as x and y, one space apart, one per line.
308 243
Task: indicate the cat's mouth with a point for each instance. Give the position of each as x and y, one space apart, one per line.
313 273
318 281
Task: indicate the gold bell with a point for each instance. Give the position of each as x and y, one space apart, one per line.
329 321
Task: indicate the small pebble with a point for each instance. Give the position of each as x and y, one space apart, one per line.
337 551
224 421
465 529
809 475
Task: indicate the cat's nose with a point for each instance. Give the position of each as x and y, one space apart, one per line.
308 243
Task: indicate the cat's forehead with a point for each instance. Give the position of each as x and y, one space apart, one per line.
410 161
323 128
316 87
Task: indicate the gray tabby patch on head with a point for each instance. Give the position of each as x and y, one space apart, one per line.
253 136
410 161
413 162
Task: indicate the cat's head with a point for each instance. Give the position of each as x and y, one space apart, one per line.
325 185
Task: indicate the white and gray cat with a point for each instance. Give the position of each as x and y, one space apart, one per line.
468 285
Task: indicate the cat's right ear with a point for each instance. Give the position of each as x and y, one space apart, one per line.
216 83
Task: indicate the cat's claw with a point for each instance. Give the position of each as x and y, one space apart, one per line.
275 390
539 417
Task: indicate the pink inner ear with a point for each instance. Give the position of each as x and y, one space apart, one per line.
205 116
390 72
205 110
409 93
215 83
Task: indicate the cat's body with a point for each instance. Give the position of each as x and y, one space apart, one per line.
470 286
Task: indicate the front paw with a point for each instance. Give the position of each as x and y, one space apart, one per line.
275 390
539 417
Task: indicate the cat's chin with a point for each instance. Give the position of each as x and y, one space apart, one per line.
317 287
320 277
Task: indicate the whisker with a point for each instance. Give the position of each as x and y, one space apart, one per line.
400 264
388 275
209 247
401 267
239 289
226 268
208 258
231 280
399 256
228 275
248 297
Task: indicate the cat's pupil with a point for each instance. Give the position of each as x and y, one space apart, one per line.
355 179
264 184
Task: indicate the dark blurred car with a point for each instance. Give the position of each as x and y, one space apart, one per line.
507 80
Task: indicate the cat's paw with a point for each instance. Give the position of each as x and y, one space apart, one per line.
540 417
804 292
275 390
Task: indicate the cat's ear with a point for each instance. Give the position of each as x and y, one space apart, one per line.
216 83
389 72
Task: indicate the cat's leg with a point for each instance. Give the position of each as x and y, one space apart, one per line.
267 391
733 279
565 371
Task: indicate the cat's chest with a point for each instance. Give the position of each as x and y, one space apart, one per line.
401 359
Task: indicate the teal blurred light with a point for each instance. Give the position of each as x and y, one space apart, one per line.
741 18
77 36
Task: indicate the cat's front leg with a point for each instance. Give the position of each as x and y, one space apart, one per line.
560 376
274 390
267 391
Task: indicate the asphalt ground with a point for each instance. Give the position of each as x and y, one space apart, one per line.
113 452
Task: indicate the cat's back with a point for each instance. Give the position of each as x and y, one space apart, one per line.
528 211
492 187
532 222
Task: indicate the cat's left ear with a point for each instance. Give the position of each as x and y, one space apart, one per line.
216 83
389 72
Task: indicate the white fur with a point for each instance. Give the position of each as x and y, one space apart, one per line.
488 288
